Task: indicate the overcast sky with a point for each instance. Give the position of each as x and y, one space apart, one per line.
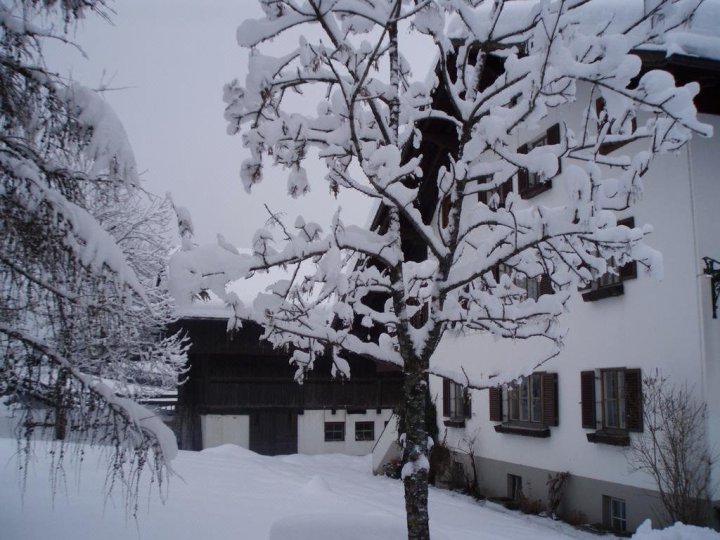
167 61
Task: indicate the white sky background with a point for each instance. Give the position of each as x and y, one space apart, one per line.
169 60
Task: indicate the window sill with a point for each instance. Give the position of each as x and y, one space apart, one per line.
454 422
603 292
536 190
540 431
613 438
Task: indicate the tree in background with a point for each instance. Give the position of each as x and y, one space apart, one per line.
455 245
673 450
81 249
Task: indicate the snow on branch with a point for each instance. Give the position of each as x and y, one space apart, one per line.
514 97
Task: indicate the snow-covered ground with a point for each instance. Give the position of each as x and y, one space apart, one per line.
232 493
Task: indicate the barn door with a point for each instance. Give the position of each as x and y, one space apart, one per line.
273 432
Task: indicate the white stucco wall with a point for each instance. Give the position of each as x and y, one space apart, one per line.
311 431
655 325
705 164
220 429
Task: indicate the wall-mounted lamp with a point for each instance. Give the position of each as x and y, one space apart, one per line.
712 270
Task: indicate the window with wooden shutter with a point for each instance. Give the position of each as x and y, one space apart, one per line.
494 198
531 184
456 404
496 404
610 146
587 399
532 406
628 270
611 283
621 404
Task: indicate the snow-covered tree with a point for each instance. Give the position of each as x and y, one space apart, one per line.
455 246
82 318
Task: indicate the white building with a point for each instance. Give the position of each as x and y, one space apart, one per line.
581 408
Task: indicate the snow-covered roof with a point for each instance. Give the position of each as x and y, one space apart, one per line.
186 267
699 38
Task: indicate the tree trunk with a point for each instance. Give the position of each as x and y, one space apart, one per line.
415 477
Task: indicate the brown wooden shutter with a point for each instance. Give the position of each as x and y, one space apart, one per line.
523 181
587 399
553 134
545 285
503 191
633 400
445 212
553 137
629 270
446 397
496 405
549 388
467 402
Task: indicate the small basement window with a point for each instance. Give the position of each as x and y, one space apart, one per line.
334 431
614 513
364 431
514 487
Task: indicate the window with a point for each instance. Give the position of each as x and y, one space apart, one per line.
364 431
524 399
619 407
629 125
514 487
613 399
534 286
531 184
527 407
456 403
611 283
494 198
334 431
614 514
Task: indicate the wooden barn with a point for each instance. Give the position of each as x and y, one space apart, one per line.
241 390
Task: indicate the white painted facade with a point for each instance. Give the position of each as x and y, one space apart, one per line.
311 431
664 325
218 429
